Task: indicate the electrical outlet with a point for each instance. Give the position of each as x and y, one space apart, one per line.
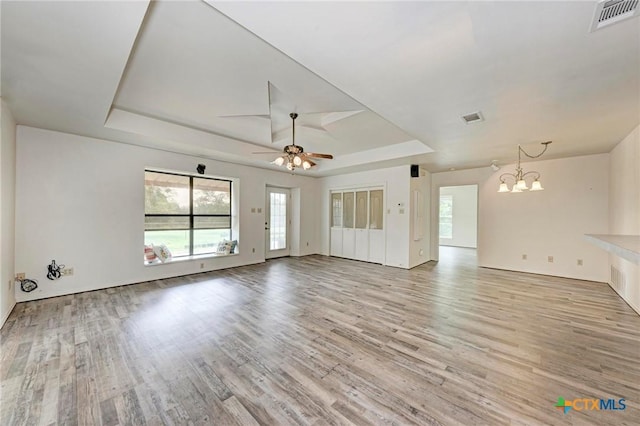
20 276
550 259
202 266
67 272
253 250
524 257
579 262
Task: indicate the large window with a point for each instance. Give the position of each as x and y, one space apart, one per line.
189 214
446 216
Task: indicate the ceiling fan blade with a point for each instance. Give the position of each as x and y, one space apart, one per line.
316 155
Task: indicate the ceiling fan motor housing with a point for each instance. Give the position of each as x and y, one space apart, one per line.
293 149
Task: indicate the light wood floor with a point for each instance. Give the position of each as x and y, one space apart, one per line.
320 340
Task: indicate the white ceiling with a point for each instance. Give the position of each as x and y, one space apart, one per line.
375 83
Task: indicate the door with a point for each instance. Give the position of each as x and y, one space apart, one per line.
376 224
277 222
361 249
336 224
348 230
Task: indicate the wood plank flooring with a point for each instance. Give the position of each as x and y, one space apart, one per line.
324 341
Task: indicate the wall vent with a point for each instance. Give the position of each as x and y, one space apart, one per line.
611 11
617 279
474 117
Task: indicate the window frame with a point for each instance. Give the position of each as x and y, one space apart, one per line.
191 215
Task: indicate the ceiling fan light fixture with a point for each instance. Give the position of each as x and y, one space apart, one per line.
294 155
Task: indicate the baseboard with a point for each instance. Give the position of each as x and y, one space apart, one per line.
635 308
420 263
3 320
521 271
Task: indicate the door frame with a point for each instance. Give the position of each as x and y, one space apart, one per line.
268 253
435 218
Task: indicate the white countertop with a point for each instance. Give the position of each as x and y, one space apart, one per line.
625 246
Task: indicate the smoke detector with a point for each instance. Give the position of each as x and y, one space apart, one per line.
611 11
474 117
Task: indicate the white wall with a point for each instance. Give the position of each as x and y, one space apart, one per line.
420 249
7 210
465 216
545 223
395 181
80 201
624 210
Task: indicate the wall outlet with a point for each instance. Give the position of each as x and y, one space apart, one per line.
20 276
524 257
202 266
550 259
67 272
579 262
253 250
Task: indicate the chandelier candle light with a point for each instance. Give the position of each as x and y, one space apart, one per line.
519 176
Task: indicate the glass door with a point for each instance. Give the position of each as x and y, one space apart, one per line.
277 222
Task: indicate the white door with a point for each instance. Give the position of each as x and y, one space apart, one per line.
336 224
277 222
361 245
348 230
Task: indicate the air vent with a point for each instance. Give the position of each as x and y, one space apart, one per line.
618 280
611 11
474 117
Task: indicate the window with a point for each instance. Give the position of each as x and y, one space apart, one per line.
446 216
189 214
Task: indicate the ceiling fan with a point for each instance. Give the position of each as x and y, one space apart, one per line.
294 155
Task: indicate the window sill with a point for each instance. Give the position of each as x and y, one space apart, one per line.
187 258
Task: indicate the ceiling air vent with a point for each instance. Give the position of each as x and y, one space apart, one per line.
474 117
611 11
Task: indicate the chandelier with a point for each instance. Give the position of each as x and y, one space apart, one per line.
520 175
294 155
